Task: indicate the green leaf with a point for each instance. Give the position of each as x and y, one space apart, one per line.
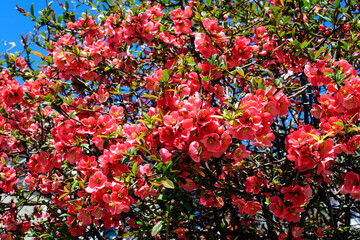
339 123
38 54
72 114
346 45
319 52
134 168
327 19
66 5
311 53
261 83
65 194
253 7
337 4
3 161
128 234
296 43
166 76
168 184
60 18
191 62
74 184
304 45
314 136
27 95
187 204
157 228
32 9
208 3
278 18
65 215
149 96
306 3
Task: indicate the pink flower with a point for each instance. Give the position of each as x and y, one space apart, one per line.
316 76
188 186
116 112
183 26
106 124
204 46
319 233
6 236
167 134
242 50
165 155
260 34
204 116
211 142
144 170
76 230
240 153
132 132
85 217
20 63
144 191
90 125
96 181
102 95
74 155
193 150
282 236
214 29
119 195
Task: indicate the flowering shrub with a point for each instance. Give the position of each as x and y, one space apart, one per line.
184 120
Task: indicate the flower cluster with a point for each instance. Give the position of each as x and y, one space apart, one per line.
193 121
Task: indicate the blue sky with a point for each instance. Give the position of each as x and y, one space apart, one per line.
15 23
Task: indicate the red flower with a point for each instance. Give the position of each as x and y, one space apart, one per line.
292 214
252 207
85 217
204 46
182 24
352 182
167 135
253 184
295 194
240 203
296 232
242 50
277 206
